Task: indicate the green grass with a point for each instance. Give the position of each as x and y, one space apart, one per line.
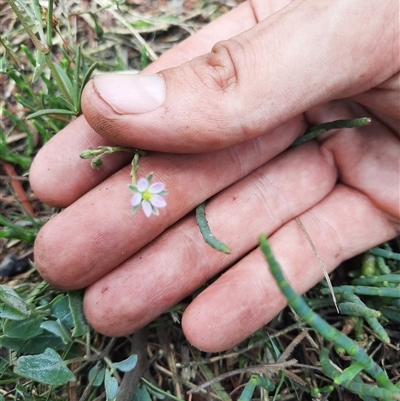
47 350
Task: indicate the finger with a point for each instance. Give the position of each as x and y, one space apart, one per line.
250 83
363 155
179 261
384 98
246 297
352 219
238 20
172 266
59 177
100 228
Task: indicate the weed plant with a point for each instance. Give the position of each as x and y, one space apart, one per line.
47 349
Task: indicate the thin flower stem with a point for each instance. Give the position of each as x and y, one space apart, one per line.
135 168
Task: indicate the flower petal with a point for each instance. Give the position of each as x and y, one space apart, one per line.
147 209
142 184
158 201
156 188
136 199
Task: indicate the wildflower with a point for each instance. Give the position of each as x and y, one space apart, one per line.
148 196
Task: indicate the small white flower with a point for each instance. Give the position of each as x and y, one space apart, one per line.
148 196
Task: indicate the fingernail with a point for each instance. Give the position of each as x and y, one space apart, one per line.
131 93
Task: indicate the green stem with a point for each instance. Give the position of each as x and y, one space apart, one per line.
389 278
385 253
206 232
317 130
321 326
365 290
356 385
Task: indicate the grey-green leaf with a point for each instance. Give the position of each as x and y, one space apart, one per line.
99 375
111 385
127 364
141 394
46 368
58 329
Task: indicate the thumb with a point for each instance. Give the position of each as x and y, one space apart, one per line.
306 54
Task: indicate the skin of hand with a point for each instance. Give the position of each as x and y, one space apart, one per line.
217 125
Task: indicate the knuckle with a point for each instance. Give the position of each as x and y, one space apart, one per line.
221 64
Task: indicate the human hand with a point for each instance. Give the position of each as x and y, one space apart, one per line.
243 103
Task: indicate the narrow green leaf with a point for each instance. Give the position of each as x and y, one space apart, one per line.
24 329
50 111
216 386
248 390
127 364
84 82
65 80
81 326
77 69
24 128
40 63
46 368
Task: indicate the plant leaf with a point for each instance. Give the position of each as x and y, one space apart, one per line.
99 375
46 368
58 329
127 364
61 310
40 63
11 305
81 326
24 329
111 385
50 111
141 394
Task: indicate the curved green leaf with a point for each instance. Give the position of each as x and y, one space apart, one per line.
50 111
127 364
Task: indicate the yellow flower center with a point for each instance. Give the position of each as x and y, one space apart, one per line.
146 195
